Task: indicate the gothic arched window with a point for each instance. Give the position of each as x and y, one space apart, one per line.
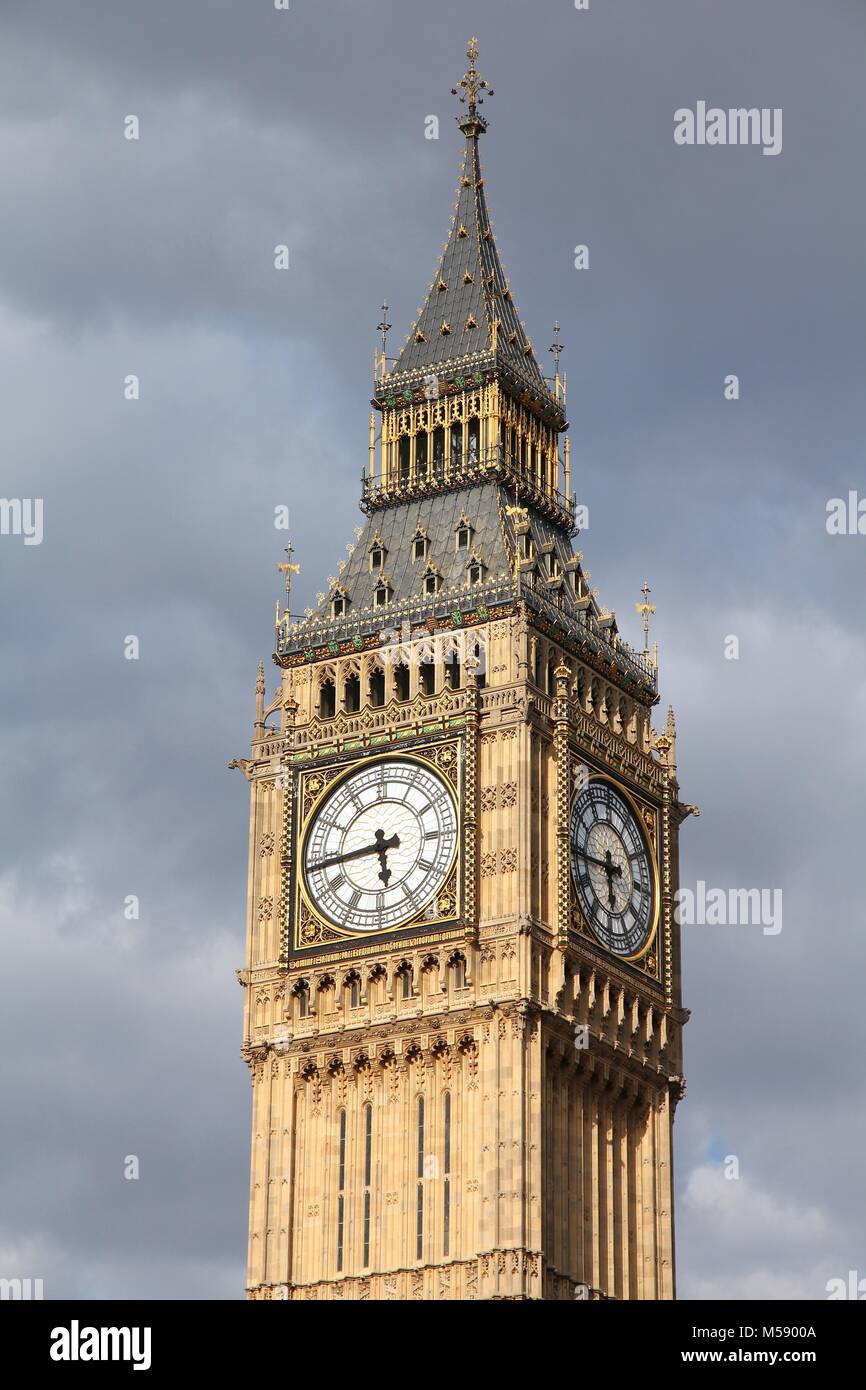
377 687
401 682
327 699
352 694
473 438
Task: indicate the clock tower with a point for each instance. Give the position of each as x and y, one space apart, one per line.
462 982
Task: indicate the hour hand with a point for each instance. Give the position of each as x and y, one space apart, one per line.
382 847
605 864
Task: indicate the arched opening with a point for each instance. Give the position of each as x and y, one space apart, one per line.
479 657
352 694
421 454
377 687
327 700
551 677
401 682
353 990
403 459
439 448
427 678
452 672
473 439
457 444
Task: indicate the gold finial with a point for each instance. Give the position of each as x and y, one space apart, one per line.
520 516
646 608
288 569
260 694
384 327
472 85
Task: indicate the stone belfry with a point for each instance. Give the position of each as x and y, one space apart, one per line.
462 981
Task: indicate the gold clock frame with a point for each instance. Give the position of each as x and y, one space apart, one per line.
637 811
310 928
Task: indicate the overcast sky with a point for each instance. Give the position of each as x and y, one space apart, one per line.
155 257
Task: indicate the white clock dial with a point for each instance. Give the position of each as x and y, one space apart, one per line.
381 845
612 869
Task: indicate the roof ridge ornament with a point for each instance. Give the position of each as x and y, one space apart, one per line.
469 90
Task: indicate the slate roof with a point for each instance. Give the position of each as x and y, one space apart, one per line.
441 515
492 541
475 291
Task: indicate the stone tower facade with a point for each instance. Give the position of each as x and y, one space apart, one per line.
462 982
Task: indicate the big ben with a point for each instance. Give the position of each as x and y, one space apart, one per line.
462 1010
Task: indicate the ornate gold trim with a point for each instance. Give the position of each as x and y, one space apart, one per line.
310 927
637 812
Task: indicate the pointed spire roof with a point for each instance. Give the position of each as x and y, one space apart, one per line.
469 317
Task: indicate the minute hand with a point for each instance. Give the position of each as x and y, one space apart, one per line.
378 845
602 863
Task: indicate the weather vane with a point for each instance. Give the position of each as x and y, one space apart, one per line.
384 328
645 608
556 347
472 85
287 568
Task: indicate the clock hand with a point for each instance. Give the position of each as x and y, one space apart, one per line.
609 872
382 847
378 847
605 864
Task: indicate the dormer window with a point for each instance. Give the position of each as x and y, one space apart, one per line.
554 570
527 549
464 534
377 555
382 594
475 568
432 580
420 546
338 606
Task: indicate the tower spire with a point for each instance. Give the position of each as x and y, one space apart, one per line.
468 320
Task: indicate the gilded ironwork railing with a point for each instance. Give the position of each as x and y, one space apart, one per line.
440 474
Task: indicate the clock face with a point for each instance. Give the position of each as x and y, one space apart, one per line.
612 869
381 845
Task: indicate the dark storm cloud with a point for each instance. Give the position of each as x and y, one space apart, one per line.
156 258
